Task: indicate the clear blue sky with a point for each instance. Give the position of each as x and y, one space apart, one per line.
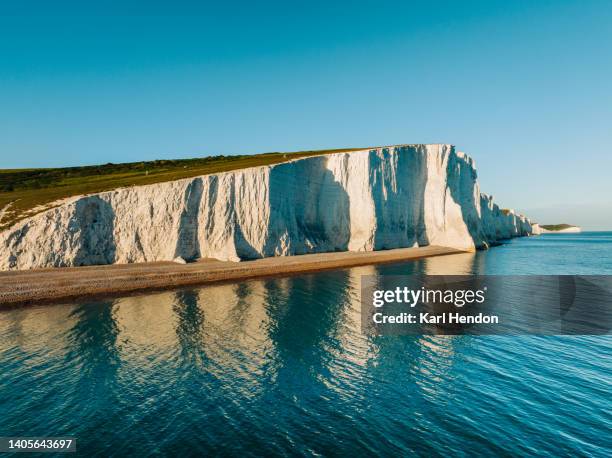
525 87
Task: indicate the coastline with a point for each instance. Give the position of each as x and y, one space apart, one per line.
28 287
328 201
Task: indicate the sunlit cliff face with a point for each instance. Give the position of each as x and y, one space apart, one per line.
383 198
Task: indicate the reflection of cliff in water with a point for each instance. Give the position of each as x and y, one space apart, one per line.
428 359
304 321
189 326
94 346
454 264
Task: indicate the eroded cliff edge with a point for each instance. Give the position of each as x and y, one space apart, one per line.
392 197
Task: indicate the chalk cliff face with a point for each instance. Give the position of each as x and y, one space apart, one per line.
383 198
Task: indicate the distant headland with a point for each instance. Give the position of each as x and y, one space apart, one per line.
559 228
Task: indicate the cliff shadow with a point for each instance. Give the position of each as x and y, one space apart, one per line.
309 209
244 249
94 219
398 180
187 243
461 177
242 244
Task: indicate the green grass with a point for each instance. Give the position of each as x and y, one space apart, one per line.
556 227
27 189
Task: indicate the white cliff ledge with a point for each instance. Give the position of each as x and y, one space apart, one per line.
392 197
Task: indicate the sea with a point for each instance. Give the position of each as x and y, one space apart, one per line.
280 367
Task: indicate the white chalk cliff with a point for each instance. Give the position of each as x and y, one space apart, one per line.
401 196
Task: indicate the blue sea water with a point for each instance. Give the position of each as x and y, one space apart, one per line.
280 367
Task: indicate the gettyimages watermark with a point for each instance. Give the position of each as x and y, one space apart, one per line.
486 304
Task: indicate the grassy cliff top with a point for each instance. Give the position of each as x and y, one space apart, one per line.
556 227
25 192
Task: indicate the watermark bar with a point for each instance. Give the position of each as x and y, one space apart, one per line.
38 444
486 304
